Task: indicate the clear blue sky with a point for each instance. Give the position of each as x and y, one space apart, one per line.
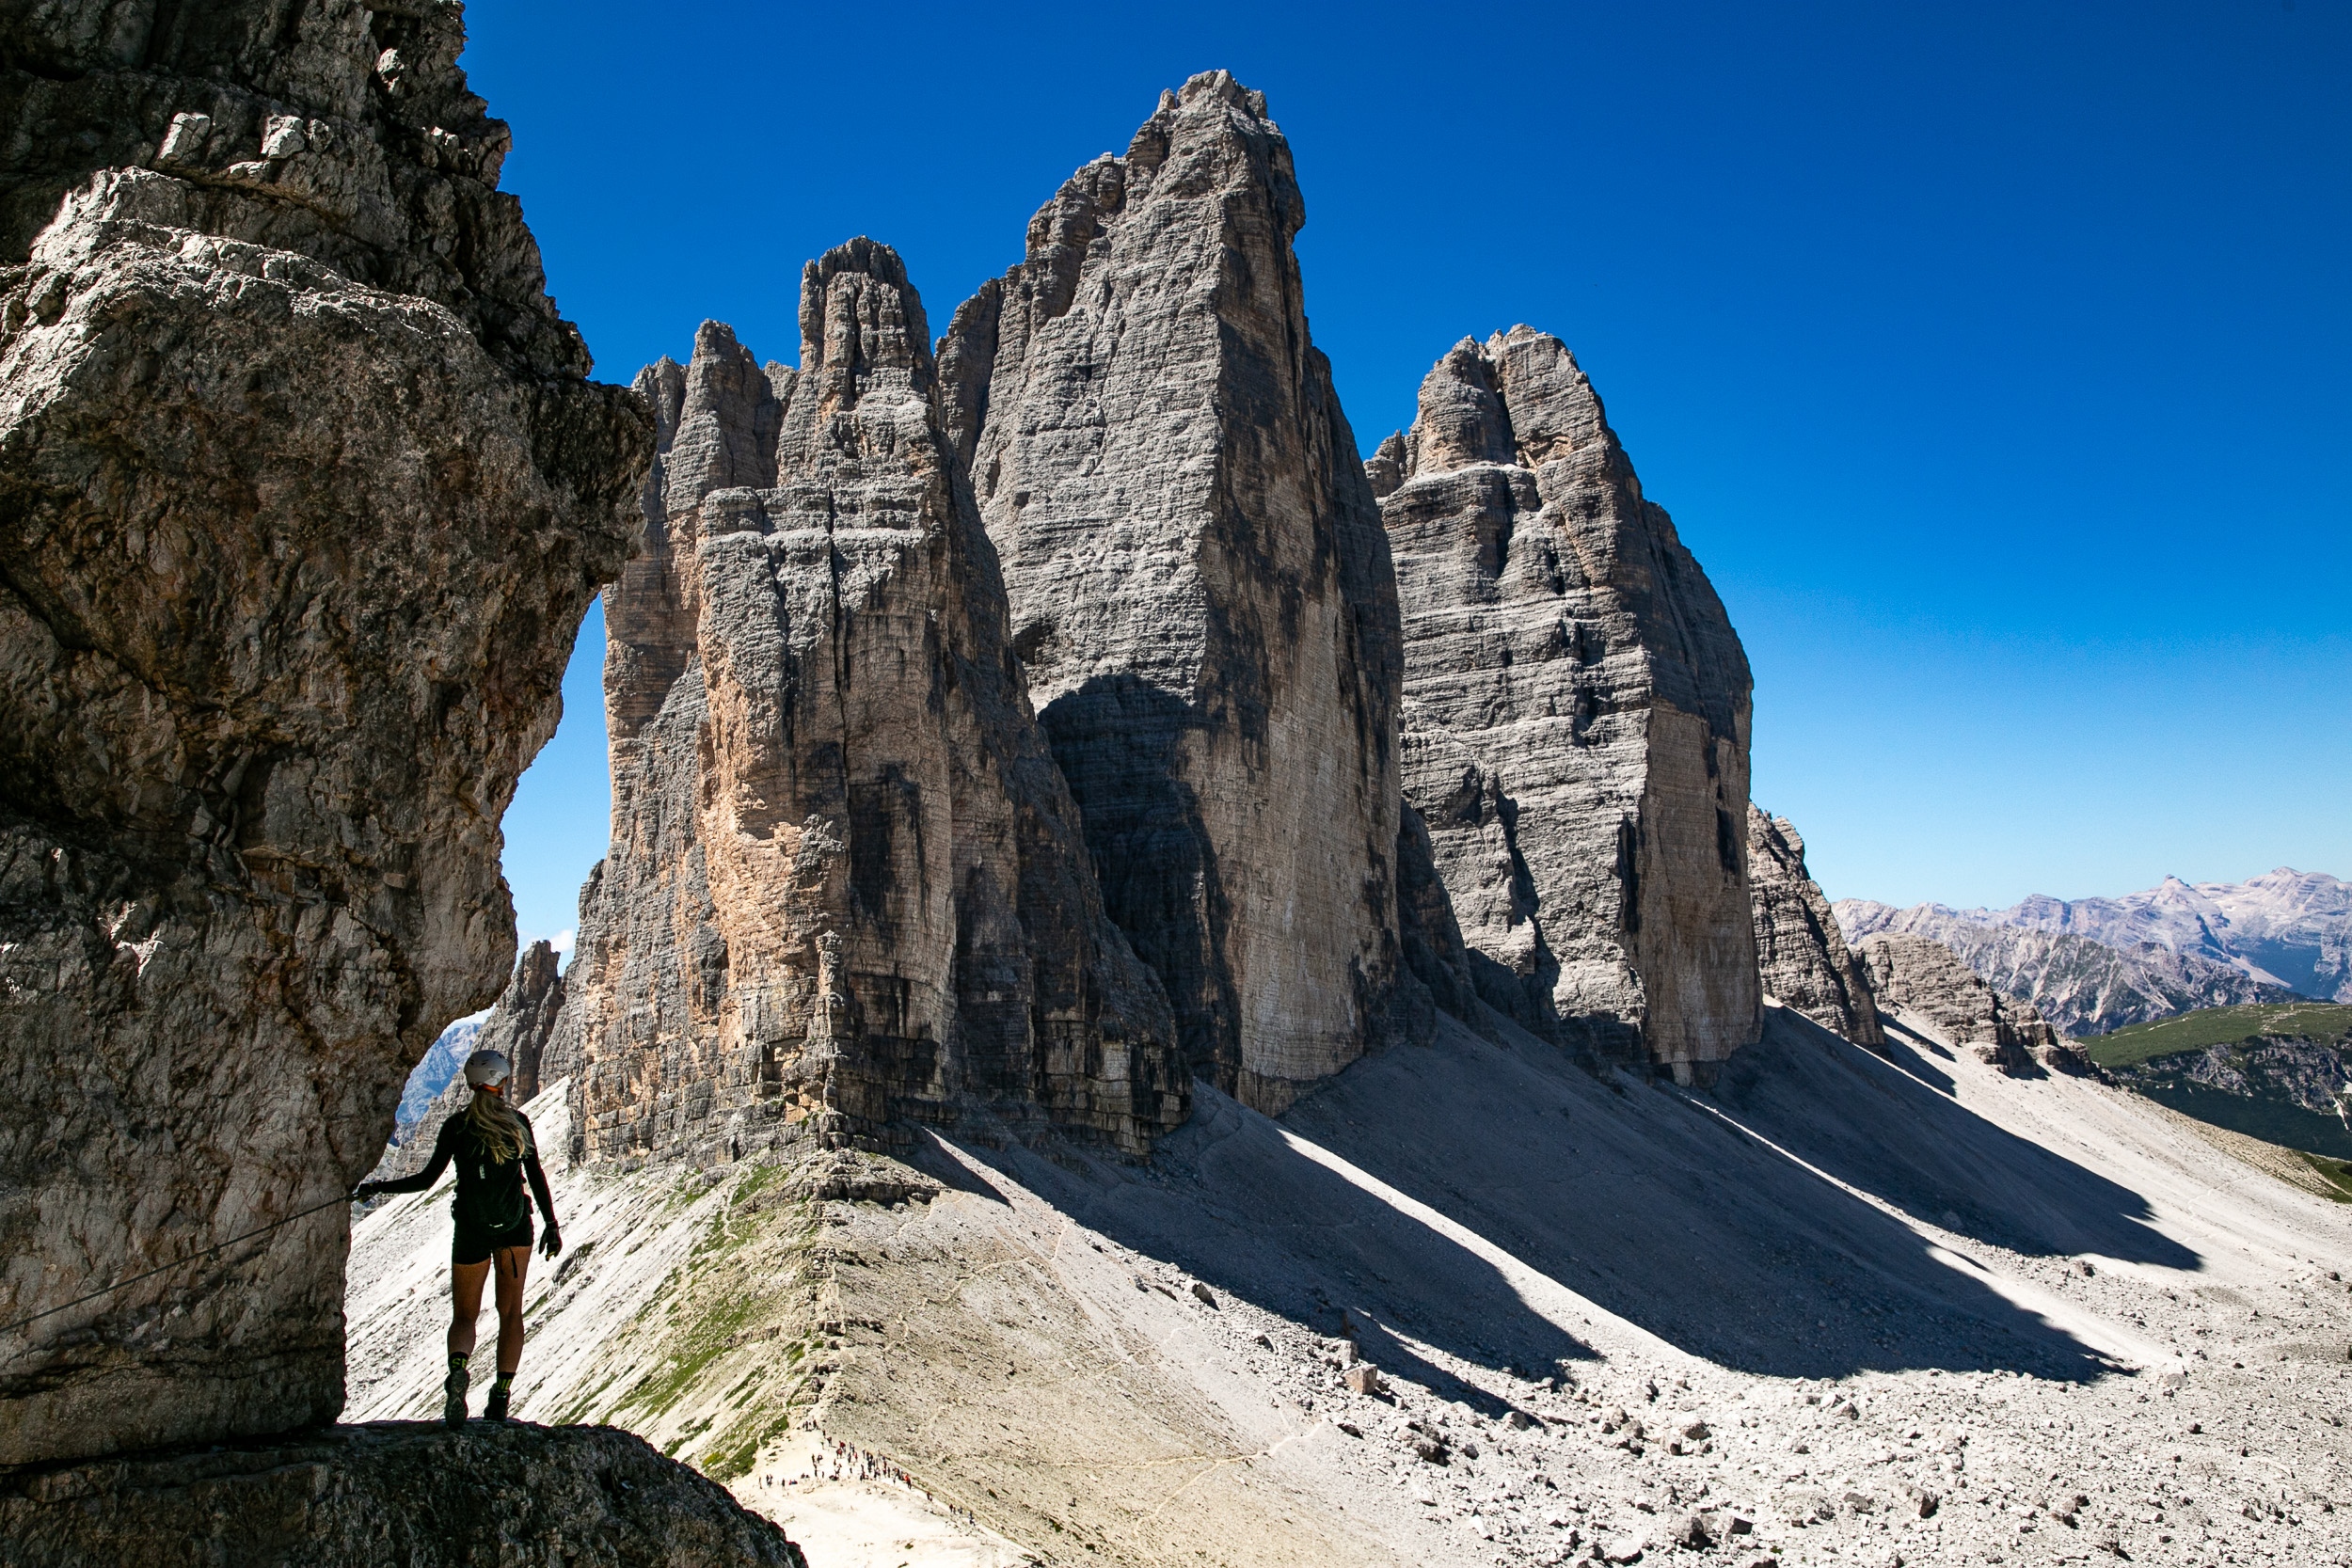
1991 357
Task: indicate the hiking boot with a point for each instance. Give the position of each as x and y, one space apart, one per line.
494 1409
454 1401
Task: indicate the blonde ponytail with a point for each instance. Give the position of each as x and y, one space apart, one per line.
495 1126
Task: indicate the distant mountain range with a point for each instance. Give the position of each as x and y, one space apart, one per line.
429 1077
2095 964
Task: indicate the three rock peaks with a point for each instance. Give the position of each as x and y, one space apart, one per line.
1034 728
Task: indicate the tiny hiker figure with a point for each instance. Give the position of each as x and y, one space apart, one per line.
492 1144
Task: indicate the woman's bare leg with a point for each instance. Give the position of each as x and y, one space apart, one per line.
465 1296
513 1263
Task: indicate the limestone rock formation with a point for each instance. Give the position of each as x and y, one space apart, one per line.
303 492
1201 592
390 1492
1924 976
1799 951
1576 714
846 882
524 1020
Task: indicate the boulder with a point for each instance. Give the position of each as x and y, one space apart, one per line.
1799 951
389 1492
1576 715
303 494
847 887
1201 592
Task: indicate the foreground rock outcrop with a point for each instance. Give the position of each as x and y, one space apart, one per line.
1201 593
1576 714
1920 976
1800 952
389 1492
846 885
303 492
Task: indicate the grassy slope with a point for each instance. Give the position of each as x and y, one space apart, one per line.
2208 1026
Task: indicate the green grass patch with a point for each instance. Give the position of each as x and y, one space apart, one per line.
2336 1173
2209 1026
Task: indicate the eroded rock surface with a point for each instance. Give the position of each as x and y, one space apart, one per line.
1576 714
1922 975
1201 592
846 882
524 1020
390 1492
1800 950
303 492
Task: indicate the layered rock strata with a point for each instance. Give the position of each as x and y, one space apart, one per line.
1201 592
1799 951
847 883
303 492
1926 978
524 1021
390 1492
1576 714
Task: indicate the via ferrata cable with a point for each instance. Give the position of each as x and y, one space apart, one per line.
216 1246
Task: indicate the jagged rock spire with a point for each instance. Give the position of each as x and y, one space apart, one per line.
1575 713
1202 596
847 885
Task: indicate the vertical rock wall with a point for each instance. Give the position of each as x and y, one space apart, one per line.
303 492
846 882
1576 714
1201 592
1799 948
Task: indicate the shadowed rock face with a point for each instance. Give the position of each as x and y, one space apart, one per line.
1576 714
1922 975
398 1491
846 884
303 492
1799 948
1201 592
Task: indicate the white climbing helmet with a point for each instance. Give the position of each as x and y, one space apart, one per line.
487 1066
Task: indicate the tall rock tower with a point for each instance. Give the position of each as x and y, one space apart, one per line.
1576 714
845 884
1202 596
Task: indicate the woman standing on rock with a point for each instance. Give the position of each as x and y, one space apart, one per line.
492 1144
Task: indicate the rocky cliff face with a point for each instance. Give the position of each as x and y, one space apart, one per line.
524 1020
1201 593
1576 714
1926 978
2083 987
847 885
394 1491
303 492
1799 951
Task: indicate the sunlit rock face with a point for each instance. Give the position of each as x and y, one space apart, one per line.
1576 714
303 492
1800 950
1201 592
847 888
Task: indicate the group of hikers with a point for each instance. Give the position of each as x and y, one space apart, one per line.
492 1146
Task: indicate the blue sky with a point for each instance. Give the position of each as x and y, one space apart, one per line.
1991 359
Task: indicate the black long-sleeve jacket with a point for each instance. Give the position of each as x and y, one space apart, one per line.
489 1191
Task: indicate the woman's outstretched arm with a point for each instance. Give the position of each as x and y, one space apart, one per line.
443 1145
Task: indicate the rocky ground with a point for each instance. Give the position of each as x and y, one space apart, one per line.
1471 1304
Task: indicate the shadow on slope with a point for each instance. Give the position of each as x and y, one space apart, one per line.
1909 1144
1638 1198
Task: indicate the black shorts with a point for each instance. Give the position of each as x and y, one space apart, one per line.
474 1245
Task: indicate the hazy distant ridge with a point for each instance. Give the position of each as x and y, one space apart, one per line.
2095 964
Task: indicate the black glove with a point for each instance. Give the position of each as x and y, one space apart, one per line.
551 1243
364 1191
